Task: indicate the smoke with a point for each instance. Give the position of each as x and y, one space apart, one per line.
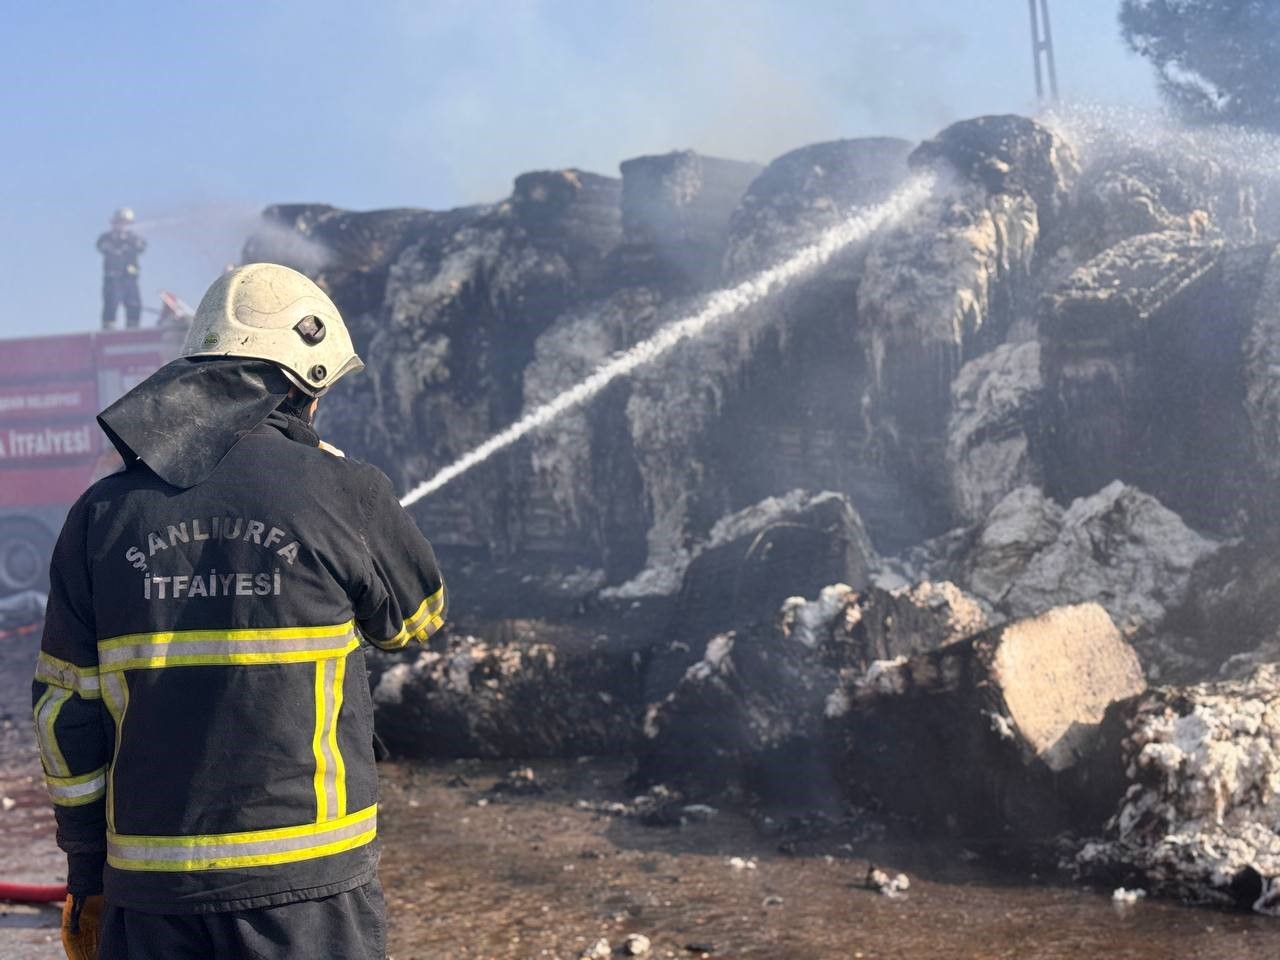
719 307
615 81
189 244
276 242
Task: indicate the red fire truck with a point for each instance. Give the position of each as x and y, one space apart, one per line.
51 389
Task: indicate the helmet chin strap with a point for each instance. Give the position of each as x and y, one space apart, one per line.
301 405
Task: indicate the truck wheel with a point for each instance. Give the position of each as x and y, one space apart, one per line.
25 548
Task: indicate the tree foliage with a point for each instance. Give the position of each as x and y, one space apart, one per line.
1217 60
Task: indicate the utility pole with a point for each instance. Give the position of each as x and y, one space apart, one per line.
1042 49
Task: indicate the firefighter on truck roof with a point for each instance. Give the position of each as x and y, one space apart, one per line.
120 248
201 702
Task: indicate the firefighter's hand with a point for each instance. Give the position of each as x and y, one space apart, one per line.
80 926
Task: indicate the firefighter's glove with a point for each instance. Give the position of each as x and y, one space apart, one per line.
81 918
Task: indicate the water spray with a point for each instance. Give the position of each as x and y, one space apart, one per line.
719 307
1097 129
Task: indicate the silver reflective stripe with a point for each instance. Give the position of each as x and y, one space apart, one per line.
209 647
326 755
73 791
60 673
47 710
250 849
217 652
426 617
115 694
430 608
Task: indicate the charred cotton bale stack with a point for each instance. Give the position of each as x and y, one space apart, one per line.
1201 818
946 284
1100 334
1120 545
571 209
746 717
1232 600
1130 190
995 435
990 734
675 216
1114 204
877 624
463 312
347 252
749 714
1262 370
806 191
531 690
1144 378
1007 154
755 559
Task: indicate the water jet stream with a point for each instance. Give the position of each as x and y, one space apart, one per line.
720 306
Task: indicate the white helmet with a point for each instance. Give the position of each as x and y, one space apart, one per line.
123 215
269 312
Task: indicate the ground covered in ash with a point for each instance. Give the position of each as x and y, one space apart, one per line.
474 872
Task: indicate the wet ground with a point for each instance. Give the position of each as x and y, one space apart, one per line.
473 874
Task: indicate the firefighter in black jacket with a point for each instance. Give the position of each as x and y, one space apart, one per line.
120 248
201 701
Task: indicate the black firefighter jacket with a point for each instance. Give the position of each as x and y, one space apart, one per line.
201 700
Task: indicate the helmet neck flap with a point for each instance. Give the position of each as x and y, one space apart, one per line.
183 419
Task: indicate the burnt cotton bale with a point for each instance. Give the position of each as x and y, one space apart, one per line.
525 689
1200 815
744 718
744 575
991 734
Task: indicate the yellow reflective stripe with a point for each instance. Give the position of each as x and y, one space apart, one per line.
46 714
428 614
77 791
37 712
254 848
62 673
238 634
331 774
319 744
339 765
231 659
225 647
115 694
431 626
400 640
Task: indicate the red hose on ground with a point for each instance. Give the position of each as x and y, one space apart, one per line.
33 892
20 631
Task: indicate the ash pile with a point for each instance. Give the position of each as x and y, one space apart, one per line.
974 524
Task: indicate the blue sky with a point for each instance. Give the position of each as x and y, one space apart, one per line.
199 114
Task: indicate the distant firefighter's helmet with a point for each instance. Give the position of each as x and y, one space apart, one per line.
123 216
265 311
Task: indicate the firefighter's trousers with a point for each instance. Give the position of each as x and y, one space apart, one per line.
118 291
348 926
